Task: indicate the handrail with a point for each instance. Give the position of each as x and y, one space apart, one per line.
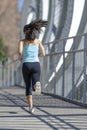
61 52
66 38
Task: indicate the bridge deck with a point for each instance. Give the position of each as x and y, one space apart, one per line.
50 113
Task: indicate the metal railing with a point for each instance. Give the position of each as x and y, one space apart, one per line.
11 73
64 69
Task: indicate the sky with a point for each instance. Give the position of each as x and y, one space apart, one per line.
20 4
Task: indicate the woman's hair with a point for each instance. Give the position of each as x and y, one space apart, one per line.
35 26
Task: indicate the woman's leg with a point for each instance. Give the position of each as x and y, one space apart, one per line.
29 100
36 77
27 79
36 72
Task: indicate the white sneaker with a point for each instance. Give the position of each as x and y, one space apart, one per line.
31 110
38 88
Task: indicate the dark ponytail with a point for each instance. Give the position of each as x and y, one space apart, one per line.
35 26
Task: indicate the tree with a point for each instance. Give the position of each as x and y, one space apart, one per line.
3 50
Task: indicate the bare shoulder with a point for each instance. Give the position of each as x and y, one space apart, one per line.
22 42
37 41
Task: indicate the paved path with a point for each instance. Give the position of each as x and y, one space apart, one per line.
50 113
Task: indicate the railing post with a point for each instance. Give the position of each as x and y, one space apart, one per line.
63 70
12 82
8 74
85 70
4 76
1 74
73 71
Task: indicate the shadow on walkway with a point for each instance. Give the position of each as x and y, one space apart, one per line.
50 113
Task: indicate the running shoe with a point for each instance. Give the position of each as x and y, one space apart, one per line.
31 110
38 88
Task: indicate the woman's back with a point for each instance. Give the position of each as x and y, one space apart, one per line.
30 52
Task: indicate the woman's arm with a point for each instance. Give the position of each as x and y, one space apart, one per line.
42 49
20 49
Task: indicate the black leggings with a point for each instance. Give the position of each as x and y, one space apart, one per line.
31 74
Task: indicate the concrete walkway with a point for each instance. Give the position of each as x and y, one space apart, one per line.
50 113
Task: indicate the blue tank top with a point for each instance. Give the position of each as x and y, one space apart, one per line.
30 53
